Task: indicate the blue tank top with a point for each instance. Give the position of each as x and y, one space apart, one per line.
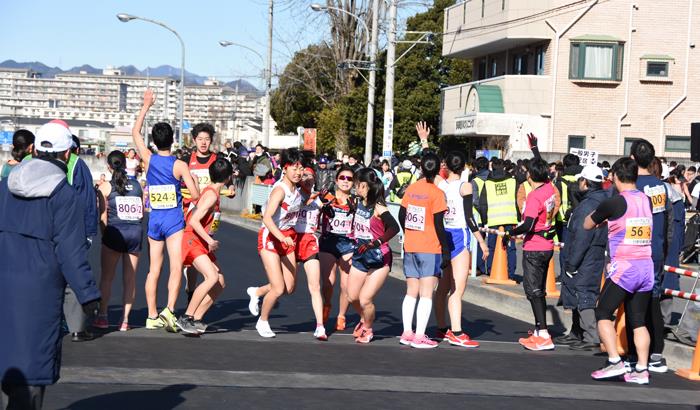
125 209
163 188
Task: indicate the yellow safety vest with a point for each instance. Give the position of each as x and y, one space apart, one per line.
401 178
479 187
501 202
564 208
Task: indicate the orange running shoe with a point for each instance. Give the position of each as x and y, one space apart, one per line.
365 336
535 342
462 340
357 332
326 312
340 323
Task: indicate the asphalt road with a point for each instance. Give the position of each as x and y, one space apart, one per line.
233 367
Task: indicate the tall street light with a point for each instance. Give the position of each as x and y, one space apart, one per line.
369 131
125 18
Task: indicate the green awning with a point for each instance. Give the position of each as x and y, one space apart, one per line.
490 98
662 57
601 38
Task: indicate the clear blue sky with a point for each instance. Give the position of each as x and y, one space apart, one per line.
68 33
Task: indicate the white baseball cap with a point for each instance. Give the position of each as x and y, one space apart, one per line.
54 136
406 164
591 173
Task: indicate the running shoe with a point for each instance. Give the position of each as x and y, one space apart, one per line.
407 338
153 324
200 326
535 342
441 334
186 324
326 312
357 332
365 336
462 340
320 333
124 327
638 377
254 301
340 323
263 329
658 366
609 370
169 319
423 342
100 322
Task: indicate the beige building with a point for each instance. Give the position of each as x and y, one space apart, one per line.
593 74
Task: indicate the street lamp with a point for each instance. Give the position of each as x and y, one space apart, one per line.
125 18
226 43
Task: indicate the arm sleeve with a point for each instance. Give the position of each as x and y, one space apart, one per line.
402 217
391 227
612 208
536 152
527 226
468 214
440 231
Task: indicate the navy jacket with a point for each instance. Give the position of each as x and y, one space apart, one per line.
585 254
83 183
42 246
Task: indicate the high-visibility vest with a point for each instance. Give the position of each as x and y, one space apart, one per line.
401 178
501 202
479 188
564 208
72 161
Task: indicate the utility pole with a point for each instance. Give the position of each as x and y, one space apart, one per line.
387 141
268 81
372 82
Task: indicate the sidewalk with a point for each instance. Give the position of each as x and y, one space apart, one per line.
506 300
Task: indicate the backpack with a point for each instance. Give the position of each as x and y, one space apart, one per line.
401 191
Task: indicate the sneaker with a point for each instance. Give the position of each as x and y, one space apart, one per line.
186 324
365 337
658 366
609 370
567 339
638 377
200 326
441 334
357 332
254 301
423 342
153 324
537 343
462 340
263 329
320 333
407 338
124 327
326 312
100 322
169 319
340 323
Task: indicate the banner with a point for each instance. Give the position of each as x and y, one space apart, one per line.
587 157
310 139
488 153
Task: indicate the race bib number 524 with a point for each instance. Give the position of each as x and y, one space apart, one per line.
162 196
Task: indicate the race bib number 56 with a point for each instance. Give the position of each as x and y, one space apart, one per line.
415 218
162 196
638 231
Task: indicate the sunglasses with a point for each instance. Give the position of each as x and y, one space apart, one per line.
344 178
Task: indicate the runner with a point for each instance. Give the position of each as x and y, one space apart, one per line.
22 147
121 215
277 236
630 277
373 228
166 222
198 247
421 216
132 163
453 282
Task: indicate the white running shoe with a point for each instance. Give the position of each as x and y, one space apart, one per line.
263 329
254 301
320 333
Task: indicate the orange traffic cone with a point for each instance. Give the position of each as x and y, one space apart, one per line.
552 291
694 372
499 268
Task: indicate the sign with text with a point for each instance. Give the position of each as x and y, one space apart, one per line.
310 139
488 153
388 137
587 157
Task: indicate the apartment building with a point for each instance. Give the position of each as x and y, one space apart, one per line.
579 74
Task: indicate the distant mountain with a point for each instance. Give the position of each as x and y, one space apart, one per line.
244 87
160 71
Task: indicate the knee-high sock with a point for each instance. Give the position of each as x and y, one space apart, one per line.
407 308
423 315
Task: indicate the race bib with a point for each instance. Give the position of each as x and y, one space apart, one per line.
308 220
162 196
129 208
638 231
361 228
657 195
415 218
201 176
216 221
341 223
451 214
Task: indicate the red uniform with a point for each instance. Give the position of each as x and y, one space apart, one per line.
306 226
285 218
193 246
200 174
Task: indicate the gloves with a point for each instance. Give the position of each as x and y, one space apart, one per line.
446 260
92 307
369 245
328 210
531 140
324 197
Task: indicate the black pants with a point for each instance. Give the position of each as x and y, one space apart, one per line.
535 266
22 397
636 305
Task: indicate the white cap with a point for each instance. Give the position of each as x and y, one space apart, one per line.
591 173
55 135
406 164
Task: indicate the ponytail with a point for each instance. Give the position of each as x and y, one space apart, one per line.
117 161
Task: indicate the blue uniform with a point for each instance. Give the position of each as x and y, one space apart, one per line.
166 217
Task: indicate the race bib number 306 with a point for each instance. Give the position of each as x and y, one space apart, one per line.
638 231
162 196
415 218
657 195
129 208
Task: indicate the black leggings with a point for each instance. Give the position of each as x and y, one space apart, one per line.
636 304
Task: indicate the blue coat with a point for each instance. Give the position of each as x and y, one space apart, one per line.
81 180
42 246
585 254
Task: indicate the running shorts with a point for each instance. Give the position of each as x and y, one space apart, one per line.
193 248
162 226
126 238
267 241
371 259
421 265
306 246
460 239
336 245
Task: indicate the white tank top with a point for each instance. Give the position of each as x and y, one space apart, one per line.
454 217
285 217
307 222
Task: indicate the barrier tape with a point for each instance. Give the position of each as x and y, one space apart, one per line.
683 295
501 233
682 272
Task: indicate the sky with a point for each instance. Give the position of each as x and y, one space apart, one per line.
70 33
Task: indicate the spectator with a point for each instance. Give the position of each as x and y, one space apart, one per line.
22 147
325 176
261 165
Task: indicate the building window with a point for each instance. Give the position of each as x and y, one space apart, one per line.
482 69
596 61
483 6
628 145
520 64
494 67
676 143
539 60
657 68
577 141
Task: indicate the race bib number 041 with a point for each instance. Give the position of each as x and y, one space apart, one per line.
415 218
129 208
341 223
657 195
162 196
638 231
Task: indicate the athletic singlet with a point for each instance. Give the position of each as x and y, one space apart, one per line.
163 188
125 209
629 236
200 172
454 217
211 220
285 217
307 222
366 227
341 223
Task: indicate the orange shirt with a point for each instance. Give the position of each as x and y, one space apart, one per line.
422 200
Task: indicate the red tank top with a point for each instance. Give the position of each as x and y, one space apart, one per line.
211 220
200 174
